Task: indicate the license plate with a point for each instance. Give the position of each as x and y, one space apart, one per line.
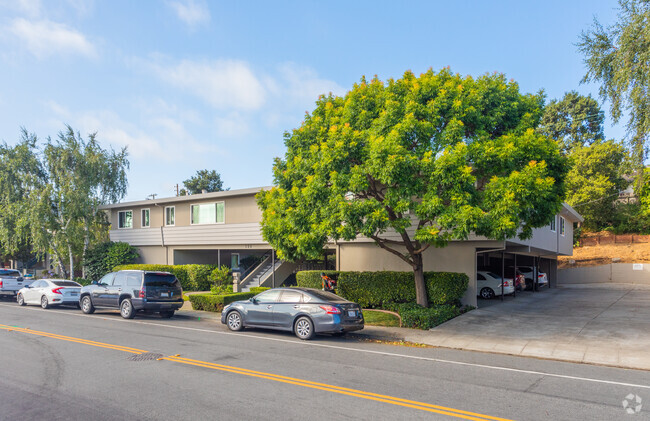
164 294
74 294
352 313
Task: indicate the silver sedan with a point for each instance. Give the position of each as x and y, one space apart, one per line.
303 311
49 292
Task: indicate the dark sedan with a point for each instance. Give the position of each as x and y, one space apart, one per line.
304 311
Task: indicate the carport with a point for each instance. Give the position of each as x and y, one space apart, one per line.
506 260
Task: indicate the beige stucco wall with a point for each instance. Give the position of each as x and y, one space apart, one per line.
624 273
152 255
456 257
239 209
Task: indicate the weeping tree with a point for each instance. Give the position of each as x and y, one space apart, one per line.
414 163
80 176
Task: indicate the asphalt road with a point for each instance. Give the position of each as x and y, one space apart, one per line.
62 364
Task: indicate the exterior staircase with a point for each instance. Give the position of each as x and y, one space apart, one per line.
260 275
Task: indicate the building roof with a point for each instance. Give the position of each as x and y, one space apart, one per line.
571 213
188 198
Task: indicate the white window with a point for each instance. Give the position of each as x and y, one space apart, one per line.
553 224
208 213
125 219
561 225
169 215
145 218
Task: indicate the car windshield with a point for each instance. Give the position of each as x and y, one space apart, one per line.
161 280
6 272
326 296
66 284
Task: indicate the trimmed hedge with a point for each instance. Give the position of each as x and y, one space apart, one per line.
257 290
212 302
419 317
382 289
191 277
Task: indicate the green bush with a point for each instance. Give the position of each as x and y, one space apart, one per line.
257 290
82 281
419 317
382 289
199 276
101 259
181 271
215 303
221 276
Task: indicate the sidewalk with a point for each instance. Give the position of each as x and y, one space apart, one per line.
604 324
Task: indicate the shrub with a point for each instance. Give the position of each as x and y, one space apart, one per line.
179 270
221 289
382 289
101 259
221 276
82 281
257 290
212 302
419 317
199 276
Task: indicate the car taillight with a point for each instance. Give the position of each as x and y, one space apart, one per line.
142 294
0 284
57 290
331 309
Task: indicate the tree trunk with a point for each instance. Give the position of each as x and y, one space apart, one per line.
83 254
61 265
71 262
420 286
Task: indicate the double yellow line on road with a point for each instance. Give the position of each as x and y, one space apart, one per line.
71 339
457 413
341 390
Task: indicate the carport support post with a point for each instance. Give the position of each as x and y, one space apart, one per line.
514 276
273 265
534 273
503 273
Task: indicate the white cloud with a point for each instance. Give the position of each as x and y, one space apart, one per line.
45 38
31 8
225 84
192 13
302 83
162 137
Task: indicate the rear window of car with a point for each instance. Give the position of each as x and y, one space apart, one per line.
66 284
160 280
9 273
326 296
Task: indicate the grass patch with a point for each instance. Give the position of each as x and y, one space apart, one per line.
379 318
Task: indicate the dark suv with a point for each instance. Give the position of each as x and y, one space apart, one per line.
134 290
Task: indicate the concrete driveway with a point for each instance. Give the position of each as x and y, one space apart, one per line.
605 324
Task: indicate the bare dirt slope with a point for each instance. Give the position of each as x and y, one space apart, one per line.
604 253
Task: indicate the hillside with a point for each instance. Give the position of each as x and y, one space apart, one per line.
604 253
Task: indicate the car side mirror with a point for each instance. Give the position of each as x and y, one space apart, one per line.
253 300
28 286
94 283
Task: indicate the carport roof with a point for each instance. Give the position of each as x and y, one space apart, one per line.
570 213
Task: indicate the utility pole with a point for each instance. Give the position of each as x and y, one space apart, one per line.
177 193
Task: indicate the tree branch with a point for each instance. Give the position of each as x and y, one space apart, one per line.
395 252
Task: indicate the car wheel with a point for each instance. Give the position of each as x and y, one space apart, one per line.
234 322
20 299
44 303
167 314
487 293
304 328
87 305
126 309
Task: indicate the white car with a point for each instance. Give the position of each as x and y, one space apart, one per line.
489 285
49 292
527 271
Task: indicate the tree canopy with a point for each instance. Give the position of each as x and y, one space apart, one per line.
414 162
574 121
209 181
57 193
618 57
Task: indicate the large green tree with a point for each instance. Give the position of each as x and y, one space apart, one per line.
595 180
80 176
597 166
574 121
21 173
618 57
413 163
210 181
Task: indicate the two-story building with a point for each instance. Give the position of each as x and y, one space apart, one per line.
224 228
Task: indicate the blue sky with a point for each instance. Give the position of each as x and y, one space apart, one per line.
193 84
